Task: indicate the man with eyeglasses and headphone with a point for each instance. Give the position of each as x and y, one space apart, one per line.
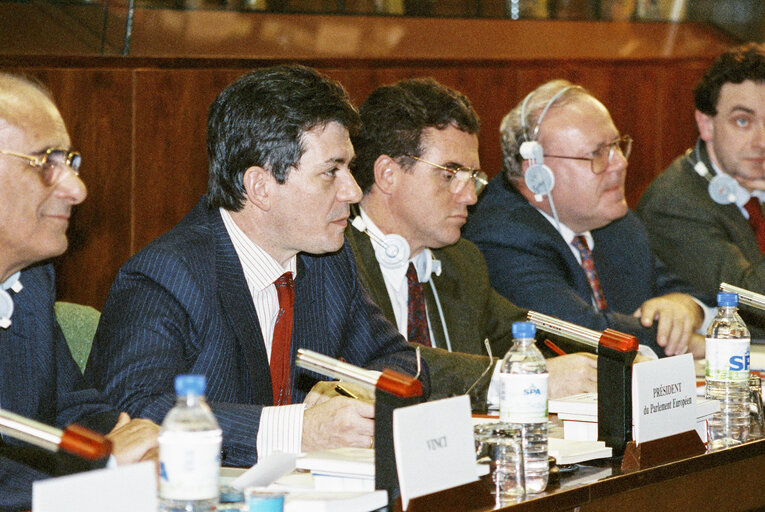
556 232
39 380
704 213
418 166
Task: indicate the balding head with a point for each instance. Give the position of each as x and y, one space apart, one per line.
34 214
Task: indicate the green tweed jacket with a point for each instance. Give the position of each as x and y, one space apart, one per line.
473 311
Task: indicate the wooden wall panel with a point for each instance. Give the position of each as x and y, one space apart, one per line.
141 127
96 105
171 159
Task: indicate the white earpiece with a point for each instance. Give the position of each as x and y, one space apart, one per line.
391 250
6 302
722 188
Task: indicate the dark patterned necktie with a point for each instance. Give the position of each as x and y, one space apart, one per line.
417 320
757 221
280 345
588 264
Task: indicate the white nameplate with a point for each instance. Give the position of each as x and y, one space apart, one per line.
130 488
434 447
663 398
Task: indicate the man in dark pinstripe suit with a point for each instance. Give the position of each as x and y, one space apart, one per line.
202 298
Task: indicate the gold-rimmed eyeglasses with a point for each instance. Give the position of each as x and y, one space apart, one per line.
603 156
51 163
459 176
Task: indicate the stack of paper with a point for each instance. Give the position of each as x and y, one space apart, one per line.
579 414
341 469
570 452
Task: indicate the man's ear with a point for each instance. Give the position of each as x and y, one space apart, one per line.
705 124
257 183
386 171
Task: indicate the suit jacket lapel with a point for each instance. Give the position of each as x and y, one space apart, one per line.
369 271
238 308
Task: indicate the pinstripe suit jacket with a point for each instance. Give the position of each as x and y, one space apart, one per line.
181 305
40 380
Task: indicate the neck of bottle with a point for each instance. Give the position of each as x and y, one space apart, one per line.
189 400
524 341
726 310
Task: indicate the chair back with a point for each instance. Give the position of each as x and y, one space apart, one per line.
79 324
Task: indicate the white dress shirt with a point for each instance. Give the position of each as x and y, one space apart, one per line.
281 428
568 235
396 282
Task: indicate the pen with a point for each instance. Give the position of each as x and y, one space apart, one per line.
555 348
341 390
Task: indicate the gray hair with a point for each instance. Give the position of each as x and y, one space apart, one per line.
521 124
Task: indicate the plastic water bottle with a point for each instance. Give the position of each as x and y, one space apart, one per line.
523 403
189 451
727 374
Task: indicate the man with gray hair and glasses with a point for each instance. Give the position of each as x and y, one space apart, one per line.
558 236
39 186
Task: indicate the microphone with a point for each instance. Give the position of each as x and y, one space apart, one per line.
591 339
390 381
616 352
74 439
756 300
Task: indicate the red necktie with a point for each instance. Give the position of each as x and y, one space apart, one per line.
588 264
417 320
280 345
757 221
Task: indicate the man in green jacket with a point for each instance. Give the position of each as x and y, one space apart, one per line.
417 164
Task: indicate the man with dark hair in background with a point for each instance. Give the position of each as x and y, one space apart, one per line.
704 213
215 295
39 185
417 164
559 238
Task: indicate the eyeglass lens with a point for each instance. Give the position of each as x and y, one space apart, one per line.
56 162
462 177
605 155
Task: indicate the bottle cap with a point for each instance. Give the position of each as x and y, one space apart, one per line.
524 330
727 299
190 385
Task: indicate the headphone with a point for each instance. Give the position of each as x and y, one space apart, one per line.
6 302
539 178
722 188
392 251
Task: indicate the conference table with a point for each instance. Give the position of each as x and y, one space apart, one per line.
725 481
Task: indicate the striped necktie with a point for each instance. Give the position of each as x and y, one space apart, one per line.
417 320
588 265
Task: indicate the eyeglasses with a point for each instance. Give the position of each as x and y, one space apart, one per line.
603 156
52 163
459 176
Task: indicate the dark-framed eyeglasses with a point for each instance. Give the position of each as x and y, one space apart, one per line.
604 155
51 163
460 176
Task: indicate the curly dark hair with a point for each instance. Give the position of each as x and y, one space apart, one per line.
745 62
261 119
394 116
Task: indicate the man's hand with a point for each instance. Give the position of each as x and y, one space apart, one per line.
338 422
323 391
697 346
133 440
572 374
678 316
